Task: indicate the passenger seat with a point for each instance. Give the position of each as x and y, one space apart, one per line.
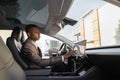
3 72
9 69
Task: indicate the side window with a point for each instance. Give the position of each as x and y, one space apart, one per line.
47 43
5 34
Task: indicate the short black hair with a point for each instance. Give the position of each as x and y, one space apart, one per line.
29 26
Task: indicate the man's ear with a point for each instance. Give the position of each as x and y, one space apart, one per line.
28 34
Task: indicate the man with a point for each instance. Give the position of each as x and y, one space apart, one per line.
32 55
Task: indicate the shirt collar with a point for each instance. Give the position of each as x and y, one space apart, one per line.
34 43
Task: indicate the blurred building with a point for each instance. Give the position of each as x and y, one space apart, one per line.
100 27
54 44
89 28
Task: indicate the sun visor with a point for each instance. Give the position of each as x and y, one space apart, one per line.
53 30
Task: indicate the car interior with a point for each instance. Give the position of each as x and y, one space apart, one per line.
96 63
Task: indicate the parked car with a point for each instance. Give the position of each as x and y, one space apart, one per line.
95 37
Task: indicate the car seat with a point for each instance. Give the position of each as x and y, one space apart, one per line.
8 66
10 42
16 54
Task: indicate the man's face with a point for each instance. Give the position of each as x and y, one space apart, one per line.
34 33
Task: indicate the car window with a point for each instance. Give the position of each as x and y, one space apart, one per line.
47 43
5 34
98 23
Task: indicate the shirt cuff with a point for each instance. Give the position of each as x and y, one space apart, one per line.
62 58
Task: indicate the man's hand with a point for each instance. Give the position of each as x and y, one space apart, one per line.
68 54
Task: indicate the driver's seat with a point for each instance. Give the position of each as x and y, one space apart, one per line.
16 54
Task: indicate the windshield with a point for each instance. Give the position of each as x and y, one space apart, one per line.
98 23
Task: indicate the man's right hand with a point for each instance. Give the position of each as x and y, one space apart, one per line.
70 53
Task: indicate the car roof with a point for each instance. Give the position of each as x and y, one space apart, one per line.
47 14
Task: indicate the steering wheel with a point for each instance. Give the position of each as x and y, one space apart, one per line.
63 49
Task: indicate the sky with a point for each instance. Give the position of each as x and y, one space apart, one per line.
80 7
77 10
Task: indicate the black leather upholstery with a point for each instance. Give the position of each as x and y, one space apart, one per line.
16 54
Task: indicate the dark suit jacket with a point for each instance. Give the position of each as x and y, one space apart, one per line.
32 56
